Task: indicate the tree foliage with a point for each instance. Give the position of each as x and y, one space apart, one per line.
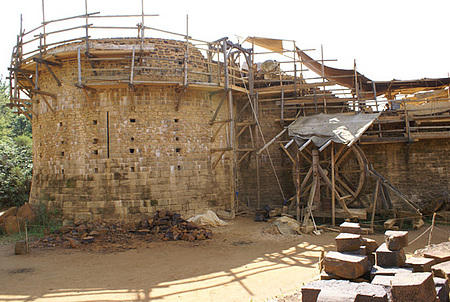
15 154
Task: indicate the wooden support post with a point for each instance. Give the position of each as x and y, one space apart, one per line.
374 88
333 187
295 72
229 95
323 81
374 208
36 81
356 85
87 28
132 67
298 186
186 53
43 25
79 67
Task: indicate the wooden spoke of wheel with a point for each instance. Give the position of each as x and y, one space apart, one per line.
349 172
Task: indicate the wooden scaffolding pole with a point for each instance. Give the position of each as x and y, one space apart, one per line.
333 187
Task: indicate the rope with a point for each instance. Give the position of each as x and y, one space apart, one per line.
262 136
411 242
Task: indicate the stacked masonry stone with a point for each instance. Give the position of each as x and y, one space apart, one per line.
118 153
390 281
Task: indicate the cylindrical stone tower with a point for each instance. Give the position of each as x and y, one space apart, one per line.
117 134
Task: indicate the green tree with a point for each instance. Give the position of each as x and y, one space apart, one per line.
15 154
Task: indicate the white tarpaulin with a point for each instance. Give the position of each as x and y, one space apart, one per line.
341 128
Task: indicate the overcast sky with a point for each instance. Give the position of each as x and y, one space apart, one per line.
389 39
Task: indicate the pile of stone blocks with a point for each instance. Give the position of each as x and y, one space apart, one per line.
353 257
392 278
406 280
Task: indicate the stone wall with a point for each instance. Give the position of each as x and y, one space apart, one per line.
421 170
119 152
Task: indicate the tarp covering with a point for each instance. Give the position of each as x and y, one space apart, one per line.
275 45
338 127
346 78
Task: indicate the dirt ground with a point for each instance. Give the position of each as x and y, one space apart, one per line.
240 263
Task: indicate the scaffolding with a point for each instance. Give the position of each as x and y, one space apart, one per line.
252 76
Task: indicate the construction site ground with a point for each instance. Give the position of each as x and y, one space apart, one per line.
240 263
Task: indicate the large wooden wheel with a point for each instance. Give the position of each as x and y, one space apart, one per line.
350 174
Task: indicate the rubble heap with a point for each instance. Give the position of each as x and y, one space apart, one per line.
164 225
360 270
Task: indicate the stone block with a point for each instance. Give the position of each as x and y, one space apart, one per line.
420 264
438 256
346 265
347 242
383 280
441 270
417 287
388 271
387 258
396 240
342 291
350 227
370 244
442 289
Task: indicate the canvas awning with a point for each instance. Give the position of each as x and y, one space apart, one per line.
346 78
275 45
340 128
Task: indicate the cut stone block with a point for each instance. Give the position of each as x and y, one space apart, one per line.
396 240
347 242
441 270
388 271
346 265
387 258
325 276
420 264
417 287
438 256
350 227
442 289
342 291
367 292
370 244
383 280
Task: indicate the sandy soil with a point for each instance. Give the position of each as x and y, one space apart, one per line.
241 263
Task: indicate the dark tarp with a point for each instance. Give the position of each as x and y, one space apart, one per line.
341 128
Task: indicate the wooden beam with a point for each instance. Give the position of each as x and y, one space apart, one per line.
213 138
218 109
53 74
217 160
271 141
48 104
39 60
37 91
287 153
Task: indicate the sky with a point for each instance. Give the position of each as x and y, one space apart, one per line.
388 39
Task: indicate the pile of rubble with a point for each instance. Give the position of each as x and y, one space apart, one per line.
164 225
360 270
